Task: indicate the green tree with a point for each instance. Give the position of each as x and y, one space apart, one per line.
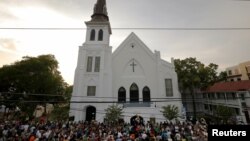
224 113
208 75
194 75
170 112
68 93
222 76
113 114
31 81
61 110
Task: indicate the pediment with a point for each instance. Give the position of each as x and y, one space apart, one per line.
133 42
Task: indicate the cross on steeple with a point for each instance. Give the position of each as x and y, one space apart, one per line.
133 65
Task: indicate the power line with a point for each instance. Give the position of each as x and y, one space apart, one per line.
29 94
107 102
126 102
132 28
55 101
96 97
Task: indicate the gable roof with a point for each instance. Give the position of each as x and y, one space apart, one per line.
230 86
132 36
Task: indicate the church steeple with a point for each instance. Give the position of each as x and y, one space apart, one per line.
100 11
99 24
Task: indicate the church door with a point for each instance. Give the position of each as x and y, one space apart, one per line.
146 94
122 95
135 120
134 93
90 113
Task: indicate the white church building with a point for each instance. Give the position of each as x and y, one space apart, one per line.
132 76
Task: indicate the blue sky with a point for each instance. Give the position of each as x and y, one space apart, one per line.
223 47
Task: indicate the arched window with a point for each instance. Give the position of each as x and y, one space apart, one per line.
146 94
122 95
100 35
92 35
134 93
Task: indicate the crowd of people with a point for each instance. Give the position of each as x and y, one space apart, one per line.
95 131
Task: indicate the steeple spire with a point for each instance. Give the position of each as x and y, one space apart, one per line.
100 15
100 11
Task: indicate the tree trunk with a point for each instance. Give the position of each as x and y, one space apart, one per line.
45 108
4 114
194 104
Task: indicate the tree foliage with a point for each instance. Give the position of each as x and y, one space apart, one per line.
170 112
194 75
68 93
222 76
61 110
113 113
31 81
224 113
